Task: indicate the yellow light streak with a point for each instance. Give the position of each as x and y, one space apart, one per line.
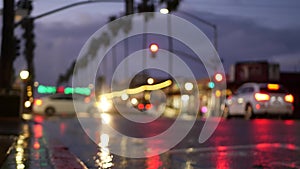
137 90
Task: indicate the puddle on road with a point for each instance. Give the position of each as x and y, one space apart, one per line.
259 156
264 155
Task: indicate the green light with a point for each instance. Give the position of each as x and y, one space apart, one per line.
83 90
211 85
46 89
78 90
68 90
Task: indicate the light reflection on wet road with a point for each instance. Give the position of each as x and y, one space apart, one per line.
259 143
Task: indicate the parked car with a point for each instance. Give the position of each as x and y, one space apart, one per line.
63 103
253 99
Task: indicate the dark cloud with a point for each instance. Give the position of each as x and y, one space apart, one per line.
245 39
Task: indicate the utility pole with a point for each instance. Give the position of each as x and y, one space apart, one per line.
7 47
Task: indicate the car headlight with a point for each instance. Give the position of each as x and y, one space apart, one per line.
104 105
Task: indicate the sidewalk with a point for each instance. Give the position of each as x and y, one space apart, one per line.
9 130
25 147
6 143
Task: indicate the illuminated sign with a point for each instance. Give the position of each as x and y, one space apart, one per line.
68 90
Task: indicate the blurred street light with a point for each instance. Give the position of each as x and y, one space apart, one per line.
150 80
27 104
188 86
164 11
124 96
134 101
185 98
153 47
36 84
24 74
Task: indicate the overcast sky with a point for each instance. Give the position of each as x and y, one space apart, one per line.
248 30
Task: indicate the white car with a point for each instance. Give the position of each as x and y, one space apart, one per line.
63 104
259 98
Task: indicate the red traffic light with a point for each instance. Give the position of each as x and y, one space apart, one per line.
218 77
153 47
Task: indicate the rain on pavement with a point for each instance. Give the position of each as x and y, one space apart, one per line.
260 143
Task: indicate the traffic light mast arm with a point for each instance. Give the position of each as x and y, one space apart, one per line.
68 6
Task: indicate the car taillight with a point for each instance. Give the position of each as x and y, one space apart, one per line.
148 106
262 97
273 86
141 106
289 98
38 102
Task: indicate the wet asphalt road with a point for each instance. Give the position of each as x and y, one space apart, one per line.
236 143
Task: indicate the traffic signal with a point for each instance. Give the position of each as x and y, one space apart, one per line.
25 4
28 35
211 85
218 77
17 47
153 49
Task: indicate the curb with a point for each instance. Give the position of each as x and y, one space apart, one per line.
7 144
61 157
34 150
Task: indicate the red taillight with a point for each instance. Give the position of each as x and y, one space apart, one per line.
261 97
148 106
257 106
289 98
38 102
140 106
